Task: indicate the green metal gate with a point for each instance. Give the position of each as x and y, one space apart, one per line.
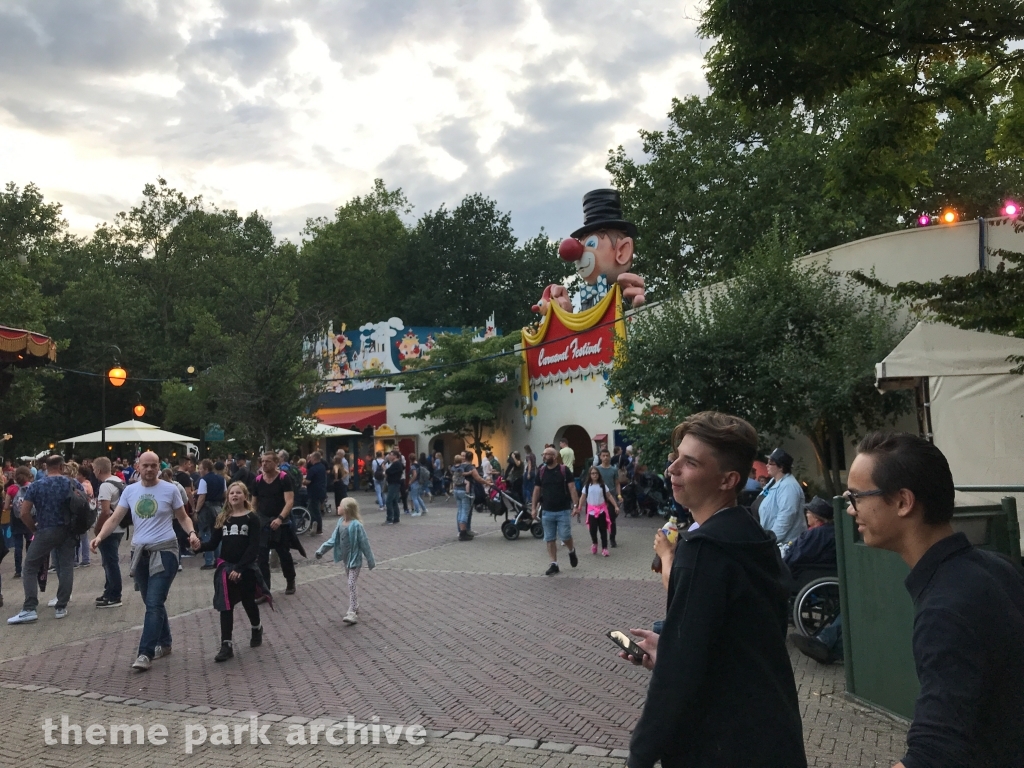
878 614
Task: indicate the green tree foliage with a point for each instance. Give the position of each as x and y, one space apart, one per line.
463 385
789 346
346 260
722 175
897 66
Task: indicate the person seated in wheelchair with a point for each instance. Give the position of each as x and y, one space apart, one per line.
813 553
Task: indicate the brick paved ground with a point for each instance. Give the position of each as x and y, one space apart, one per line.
459 637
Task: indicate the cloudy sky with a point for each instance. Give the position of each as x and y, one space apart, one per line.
292 107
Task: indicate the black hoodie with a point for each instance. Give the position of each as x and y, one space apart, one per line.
722 692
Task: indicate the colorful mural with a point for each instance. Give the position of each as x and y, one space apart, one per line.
376 348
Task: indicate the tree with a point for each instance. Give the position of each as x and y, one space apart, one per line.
464 263
898 66
790 347
462 385
344 263
722 174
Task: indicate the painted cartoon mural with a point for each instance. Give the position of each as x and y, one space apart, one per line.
376 348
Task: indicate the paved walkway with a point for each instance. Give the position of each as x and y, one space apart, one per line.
501 665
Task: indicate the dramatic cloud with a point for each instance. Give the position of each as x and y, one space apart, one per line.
292 108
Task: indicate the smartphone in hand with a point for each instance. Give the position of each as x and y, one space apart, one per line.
624 642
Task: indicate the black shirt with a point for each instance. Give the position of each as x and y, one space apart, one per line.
270 496
554 488
969 654
184 478
239 540
394 472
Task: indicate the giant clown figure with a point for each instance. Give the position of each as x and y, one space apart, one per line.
602 250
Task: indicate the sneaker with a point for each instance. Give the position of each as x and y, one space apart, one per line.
552 570
350 618
593 549
813 647
142 663
161 651
416 514
604 553
23 618
17 574
290 589
180 569
60 613
387 522
463 536
205 567
614 545
84 565
573 560
470 533
53 602
257 637
108 602
226 652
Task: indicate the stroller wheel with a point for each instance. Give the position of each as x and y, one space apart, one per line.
509 530
537 529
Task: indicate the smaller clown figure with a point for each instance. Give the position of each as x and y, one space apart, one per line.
602 250
409 346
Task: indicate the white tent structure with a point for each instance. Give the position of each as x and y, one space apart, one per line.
326 430
132 431
968 399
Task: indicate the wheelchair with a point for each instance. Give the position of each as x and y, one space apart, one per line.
815 601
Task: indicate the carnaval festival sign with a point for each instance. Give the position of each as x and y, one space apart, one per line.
573 343
375 349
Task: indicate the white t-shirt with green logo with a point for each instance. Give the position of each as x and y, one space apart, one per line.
152 509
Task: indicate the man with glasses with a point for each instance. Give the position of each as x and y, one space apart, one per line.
969 607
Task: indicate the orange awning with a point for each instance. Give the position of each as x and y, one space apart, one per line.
357 417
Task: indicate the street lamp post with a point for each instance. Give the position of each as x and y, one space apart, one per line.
117 376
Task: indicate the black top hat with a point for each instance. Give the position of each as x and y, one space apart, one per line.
602 209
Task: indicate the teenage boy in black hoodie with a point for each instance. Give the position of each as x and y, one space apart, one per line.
722 691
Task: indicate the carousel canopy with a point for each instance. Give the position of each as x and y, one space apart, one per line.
133 431
24 348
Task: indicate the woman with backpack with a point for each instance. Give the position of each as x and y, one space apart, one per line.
12 506
420 479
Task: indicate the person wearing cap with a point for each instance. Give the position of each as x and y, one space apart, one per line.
815 548
782 501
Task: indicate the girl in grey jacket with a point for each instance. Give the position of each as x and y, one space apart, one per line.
350 546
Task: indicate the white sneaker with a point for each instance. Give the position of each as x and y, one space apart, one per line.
142 663
23 618
60 613
350 618
53 602
161 651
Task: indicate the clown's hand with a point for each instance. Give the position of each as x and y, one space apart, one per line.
632 288
554 293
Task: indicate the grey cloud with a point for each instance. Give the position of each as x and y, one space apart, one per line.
53 51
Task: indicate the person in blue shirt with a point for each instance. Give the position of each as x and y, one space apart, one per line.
316 490
782 501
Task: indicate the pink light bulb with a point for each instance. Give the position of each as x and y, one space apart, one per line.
1011 209
924 220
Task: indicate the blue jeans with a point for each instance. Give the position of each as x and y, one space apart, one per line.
111 567
379 488
18 539
394 495
416 491
832 636
156 629
207 517
463 505
557 524
528 492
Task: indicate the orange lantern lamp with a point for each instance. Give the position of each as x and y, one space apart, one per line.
117 376
139 411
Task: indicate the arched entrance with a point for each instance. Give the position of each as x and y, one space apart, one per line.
581 444
449 445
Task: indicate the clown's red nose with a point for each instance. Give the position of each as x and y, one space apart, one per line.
570 249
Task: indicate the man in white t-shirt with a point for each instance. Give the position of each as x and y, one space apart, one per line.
153 504
107 495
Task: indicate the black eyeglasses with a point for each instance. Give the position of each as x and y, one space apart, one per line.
852 496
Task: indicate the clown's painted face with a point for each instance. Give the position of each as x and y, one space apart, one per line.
602 256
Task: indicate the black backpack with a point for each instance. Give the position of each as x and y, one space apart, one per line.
78 515
378 470
116 482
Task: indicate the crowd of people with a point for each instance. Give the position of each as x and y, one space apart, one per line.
722 690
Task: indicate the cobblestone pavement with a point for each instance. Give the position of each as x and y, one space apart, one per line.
467 639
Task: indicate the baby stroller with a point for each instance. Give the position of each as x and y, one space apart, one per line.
517 517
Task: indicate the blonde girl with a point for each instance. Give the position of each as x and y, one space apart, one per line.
350 546
237 577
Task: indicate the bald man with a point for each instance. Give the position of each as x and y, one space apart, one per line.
154 504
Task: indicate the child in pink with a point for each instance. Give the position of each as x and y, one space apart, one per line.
595 498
